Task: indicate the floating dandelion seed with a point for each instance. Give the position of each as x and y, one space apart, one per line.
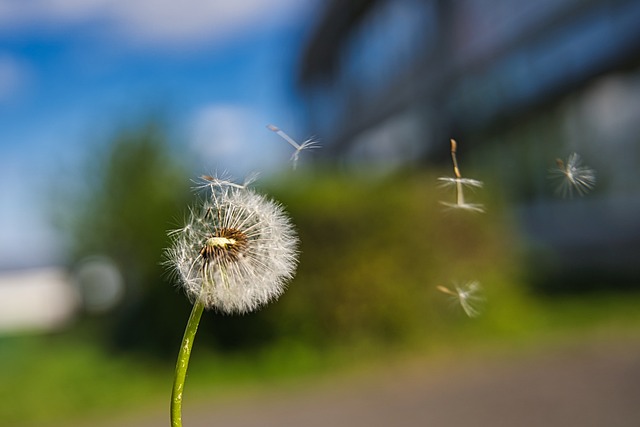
308 144
459 182
573 175
468 296
236 251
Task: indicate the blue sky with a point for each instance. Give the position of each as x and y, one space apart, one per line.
74 69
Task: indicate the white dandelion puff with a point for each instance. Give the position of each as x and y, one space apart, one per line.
237 250
459 182
306 145
468 296
573 175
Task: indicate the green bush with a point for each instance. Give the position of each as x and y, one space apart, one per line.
372 253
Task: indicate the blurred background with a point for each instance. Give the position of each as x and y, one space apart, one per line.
109 110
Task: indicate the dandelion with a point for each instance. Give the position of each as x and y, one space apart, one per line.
572 175
459 182
235 253
468 296
308 144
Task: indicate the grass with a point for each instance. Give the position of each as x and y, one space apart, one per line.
47 379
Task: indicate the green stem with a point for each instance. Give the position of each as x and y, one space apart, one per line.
183 363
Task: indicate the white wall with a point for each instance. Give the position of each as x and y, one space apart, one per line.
36 300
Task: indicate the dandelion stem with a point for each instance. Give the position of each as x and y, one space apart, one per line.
183 362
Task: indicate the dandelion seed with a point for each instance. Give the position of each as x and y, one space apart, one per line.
236 251
224 180
459 182
468 296
572 175
308 144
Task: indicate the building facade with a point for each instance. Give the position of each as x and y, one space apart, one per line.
517 83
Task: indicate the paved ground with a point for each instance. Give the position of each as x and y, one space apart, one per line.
595 385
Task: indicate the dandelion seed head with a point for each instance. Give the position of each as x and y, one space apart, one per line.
236 252
468 296
573 175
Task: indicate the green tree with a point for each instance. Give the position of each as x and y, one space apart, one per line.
135 190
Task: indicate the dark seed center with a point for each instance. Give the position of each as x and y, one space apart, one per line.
226 244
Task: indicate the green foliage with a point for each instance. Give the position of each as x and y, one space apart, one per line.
135 190
49 379
373 253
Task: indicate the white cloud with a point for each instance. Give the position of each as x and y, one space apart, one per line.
234 138
149 21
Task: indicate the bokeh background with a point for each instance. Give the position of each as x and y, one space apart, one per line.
109 110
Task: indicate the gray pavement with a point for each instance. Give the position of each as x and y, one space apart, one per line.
586 385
